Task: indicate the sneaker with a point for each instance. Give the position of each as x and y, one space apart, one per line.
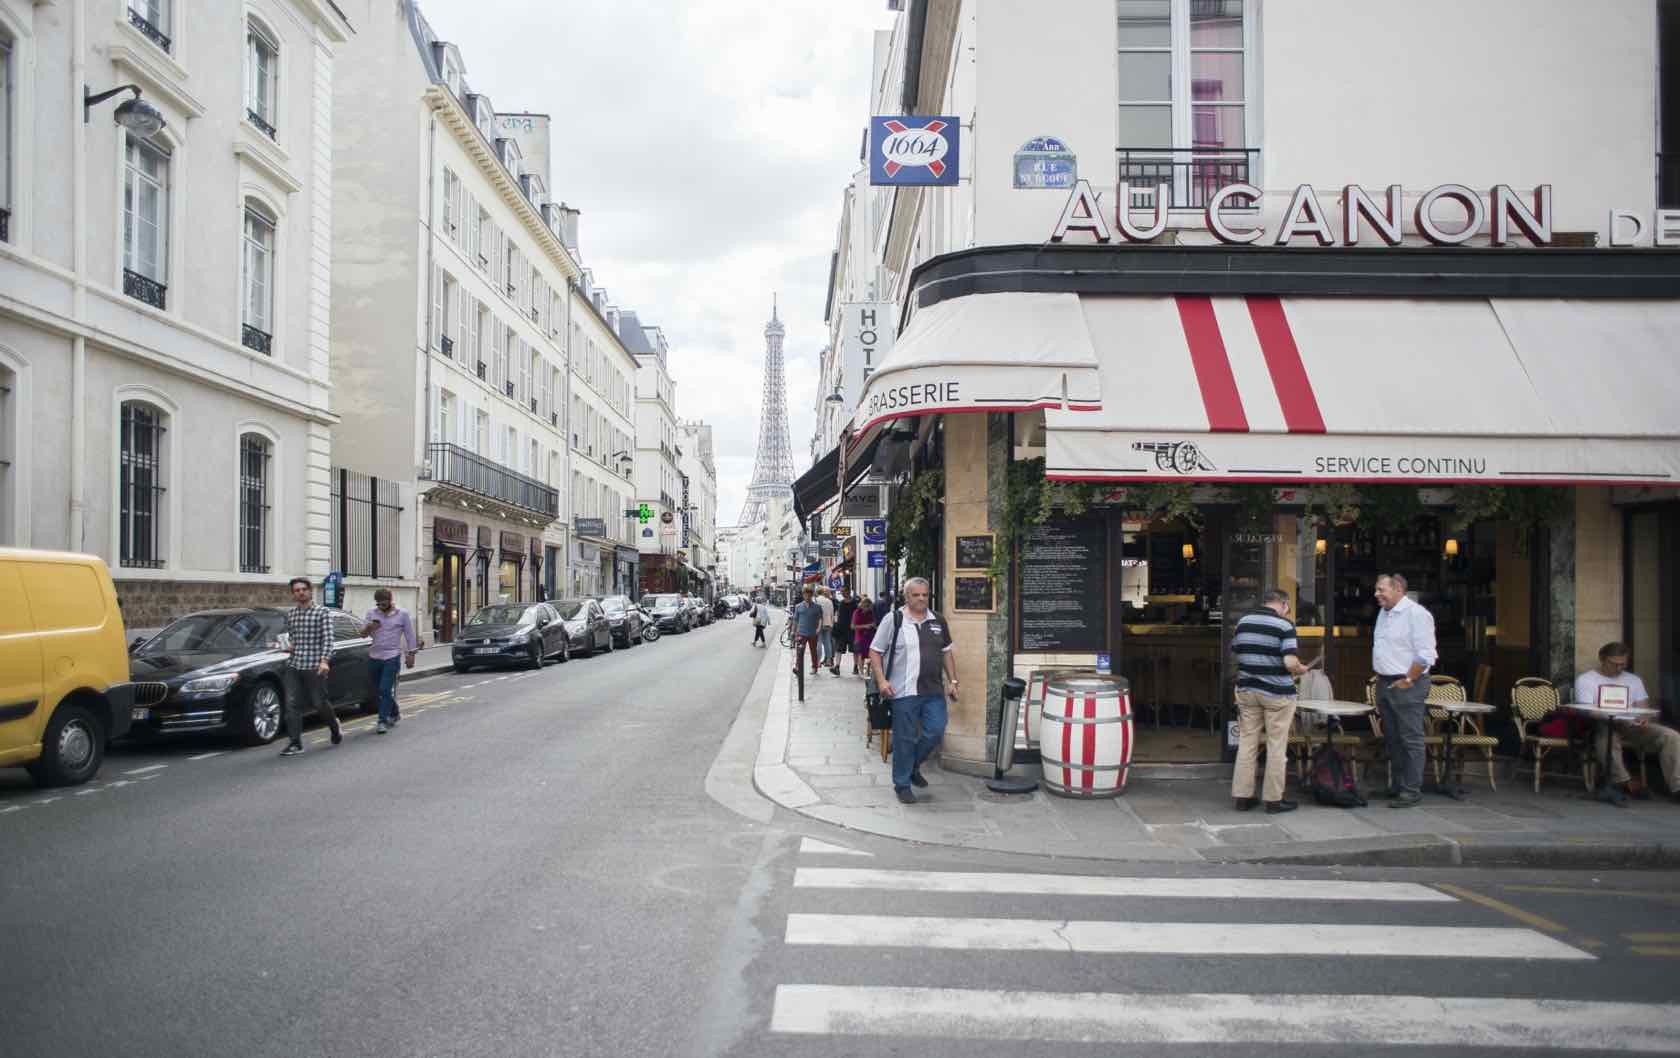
337 734
916 778
1275 807
1406 800
905 797
292 749
1245 804
380 728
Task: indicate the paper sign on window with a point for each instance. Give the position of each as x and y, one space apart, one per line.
1612 696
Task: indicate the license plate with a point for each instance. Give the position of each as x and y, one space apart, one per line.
485 650
142 714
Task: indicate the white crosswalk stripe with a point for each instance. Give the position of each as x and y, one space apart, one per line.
1283 923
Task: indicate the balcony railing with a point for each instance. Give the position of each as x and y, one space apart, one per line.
1668 181
1192 173
144 25
533 314
454 465
481 368
144 288
446 345
251 338
5 225
554 419
533 405
507 387
260 122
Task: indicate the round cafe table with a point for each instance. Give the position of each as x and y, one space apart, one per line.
1456 711
1333 711
1602 718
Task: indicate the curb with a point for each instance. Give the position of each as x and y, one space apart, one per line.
420 672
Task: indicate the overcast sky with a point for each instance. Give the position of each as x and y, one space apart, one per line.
707 143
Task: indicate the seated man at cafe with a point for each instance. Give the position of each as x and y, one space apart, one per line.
1638 734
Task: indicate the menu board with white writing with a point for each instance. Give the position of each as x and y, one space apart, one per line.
1063 584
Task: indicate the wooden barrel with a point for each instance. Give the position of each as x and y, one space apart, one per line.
1085 735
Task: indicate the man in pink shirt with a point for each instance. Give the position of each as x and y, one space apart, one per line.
391 630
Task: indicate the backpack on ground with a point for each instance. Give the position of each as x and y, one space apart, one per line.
1331 780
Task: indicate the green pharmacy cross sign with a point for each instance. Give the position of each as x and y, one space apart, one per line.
643 514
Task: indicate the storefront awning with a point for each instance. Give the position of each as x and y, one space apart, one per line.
817 486
1315 389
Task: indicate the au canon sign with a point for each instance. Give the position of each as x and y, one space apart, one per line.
1446 215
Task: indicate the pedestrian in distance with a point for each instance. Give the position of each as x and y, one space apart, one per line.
825 636
844 609
863 630
761 620
391 630
1639 733
883 606
1267 659
807 624
1402 653
910 653
309 632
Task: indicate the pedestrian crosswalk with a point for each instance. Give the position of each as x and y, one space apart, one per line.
978 955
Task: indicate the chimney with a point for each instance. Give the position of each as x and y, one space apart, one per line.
569 228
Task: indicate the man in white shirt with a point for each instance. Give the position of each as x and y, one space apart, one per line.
825 637
920 644
1638 733
1402 653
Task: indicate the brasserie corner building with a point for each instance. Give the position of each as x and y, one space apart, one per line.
1117 447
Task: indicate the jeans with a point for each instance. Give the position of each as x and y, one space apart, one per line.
825 637
1260 714
1402 712
301 684
382 675
918 727
758 635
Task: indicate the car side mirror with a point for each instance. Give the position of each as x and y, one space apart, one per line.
542 622
135 645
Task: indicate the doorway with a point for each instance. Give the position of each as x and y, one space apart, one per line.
448 588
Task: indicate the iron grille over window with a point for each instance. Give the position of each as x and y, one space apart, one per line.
366 524
251 338
141 486
507 387
5 224
533 405
144 25
141 288
253 504
481 366
1193 174
554 419
447 345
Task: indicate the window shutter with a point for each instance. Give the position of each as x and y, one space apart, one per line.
437 304
459 328
436 412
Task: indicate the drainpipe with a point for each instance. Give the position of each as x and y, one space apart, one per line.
566 437
420 563
78 289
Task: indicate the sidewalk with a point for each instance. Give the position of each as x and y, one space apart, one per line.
430 662
812 759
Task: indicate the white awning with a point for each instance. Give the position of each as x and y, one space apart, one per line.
984 352
1265 389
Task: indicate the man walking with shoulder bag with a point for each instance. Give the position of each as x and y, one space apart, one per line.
916 645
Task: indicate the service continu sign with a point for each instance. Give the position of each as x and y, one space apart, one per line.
910 150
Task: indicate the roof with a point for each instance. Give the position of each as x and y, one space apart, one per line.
631 334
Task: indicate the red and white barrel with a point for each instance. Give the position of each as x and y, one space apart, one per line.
1085 735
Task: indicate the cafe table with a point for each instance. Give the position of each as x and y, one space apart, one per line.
1333 711
1602 719
1456 712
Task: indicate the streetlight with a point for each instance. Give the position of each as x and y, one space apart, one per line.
835 397
136 115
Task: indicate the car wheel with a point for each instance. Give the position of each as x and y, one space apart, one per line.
611 644
459 668
534 661
72 747
565 650
260 722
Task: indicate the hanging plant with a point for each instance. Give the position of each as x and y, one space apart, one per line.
1030 499
913 525
1167 501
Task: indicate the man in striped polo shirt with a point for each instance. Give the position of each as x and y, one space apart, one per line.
1267 661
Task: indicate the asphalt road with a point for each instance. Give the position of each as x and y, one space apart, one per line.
539 864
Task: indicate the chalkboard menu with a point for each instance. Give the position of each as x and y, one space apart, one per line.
974 593
1063 587
974 552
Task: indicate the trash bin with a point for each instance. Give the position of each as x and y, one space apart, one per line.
1085 735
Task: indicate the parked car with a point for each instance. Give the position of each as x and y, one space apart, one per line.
511 633
626 620
670 613
702 613
65 690
223 671
586 624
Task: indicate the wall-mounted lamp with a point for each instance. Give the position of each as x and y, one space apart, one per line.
836 397
1321 545
1190 552
136 115
1451 547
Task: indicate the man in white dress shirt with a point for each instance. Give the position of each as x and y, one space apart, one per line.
1640 733
1402 653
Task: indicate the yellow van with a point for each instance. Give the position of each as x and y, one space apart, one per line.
64 686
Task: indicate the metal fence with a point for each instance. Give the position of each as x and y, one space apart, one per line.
1191 174
366 525
454 465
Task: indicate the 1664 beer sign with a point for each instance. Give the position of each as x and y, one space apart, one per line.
911 150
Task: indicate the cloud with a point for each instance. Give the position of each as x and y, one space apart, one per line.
707 144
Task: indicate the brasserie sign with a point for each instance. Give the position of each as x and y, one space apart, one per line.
1445 215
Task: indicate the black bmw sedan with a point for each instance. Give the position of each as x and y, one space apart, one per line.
223 671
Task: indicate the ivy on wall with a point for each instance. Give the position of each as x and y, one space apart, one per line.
913 525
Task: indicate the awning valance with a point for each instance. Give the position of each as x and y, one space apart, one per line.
817 486
1301 389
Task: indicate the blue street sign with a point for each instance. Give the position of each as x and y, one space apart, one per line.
877 559
332 591
875 531
1104 668
911 150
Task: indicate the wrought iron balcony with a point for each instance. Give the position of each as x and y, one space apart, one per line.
533 314
533 405
5 225
144 25
481 369
1192 173
1668 181
455 466
446 345
254 339
260 122
144 288
507 387
554 419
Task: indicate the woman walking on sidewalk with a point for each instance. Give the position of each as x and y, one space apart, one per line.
863 630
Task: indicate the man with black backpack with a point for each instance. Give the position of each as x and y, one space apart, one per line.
1267 660
916 645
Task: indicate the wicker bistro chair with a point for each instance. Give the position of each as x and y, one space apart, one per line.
1468 734
1532 701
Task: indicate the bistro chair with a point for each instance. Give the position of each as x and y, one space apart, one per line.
1533 700
1470 731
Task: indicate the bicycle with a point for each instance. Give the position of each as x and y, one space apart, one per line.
787 634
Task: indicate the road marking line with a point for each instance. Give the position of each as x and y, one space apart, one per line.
47 800
119 783
1492 903
1570 890
10 809
812 845
1214 1018
1642 949
149 767
1173 938
1652 938
207 756
1086 885
498 679
89 790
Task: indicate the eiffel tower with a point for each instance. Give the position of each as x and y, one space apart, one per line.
773 469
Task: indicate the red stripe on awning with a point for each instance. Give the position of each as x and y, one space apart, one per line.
1213 366
1283 359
